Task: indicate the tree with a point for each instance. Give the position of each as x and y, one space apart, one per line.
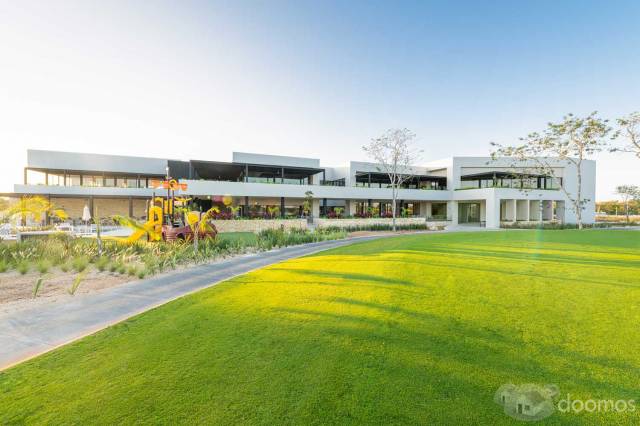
395 154
629 129
200 223
628 193
307 203
36 208
573 140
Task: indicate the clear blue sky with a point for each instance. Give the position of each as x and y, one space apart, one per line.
318 79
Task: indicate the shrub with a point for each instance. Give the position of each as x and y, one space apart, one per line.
80 263
132 270
43 266
122 269
3 266
23 267
102 263
142 272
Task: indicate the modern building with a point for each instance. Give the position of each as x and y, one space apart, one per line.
462 190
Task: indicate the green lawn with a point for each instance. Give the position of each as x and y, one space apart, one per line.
414 329
246 237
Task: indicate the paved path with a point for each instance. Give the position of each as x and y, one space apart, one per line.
33 331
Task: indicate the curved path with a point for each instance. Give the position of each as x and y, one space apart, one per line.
30 332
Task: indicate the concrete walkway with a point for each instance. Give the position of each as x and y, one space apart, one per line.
33 331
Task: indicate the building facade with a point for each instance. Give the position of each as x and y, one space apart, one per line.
461 190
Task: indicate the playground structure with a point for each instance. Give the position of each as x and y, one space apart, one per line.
168 218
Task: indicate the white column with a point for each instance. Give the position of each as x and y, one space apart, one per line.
427 209
349 207
510 210
492 212
522 210
315 208
452 212
534 210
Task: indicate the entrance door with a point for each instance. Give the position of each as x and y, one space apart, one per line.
468 212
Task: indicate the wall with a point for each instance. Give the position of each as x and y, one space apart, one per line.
258 225
111 206
94 162
72 206
345 223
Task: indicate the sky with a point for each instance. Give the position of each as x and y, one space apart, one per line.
199 80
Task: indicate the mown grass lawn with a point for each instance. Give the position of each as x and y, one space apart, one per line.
414 329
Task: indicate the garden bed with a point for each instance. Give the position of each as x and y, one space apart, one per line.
44 270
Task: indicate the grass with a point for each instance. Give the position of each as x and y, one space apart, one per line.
248 238
413 329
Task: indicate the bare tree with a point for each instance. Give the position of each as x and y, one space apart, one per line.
629 129
628 193
573 140
394 153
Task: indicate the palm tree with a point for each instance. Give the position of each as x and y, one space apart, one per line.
36 208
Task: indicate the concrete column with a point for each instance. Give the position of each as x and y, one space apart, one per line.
315 208
282 206
349 207
492 213
510 210
452 212
534 210
522 210
130 206
425 209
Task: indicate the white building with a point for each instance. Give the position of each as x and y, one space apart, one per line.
461 190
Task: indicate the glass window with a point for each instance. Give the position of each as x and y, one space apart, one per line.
73 180
88 180
35 177
110 181
128 182
439 210
56 180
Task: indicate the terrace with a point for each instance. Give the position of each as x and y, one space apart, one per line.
381 180
510 180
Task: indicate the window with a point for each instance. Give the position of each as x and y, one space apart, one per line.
88 180
73 180
35 177
56 180
438 210
110 181
128 182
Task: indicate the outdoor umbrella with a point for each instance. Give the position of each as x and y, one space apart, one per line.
86 215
